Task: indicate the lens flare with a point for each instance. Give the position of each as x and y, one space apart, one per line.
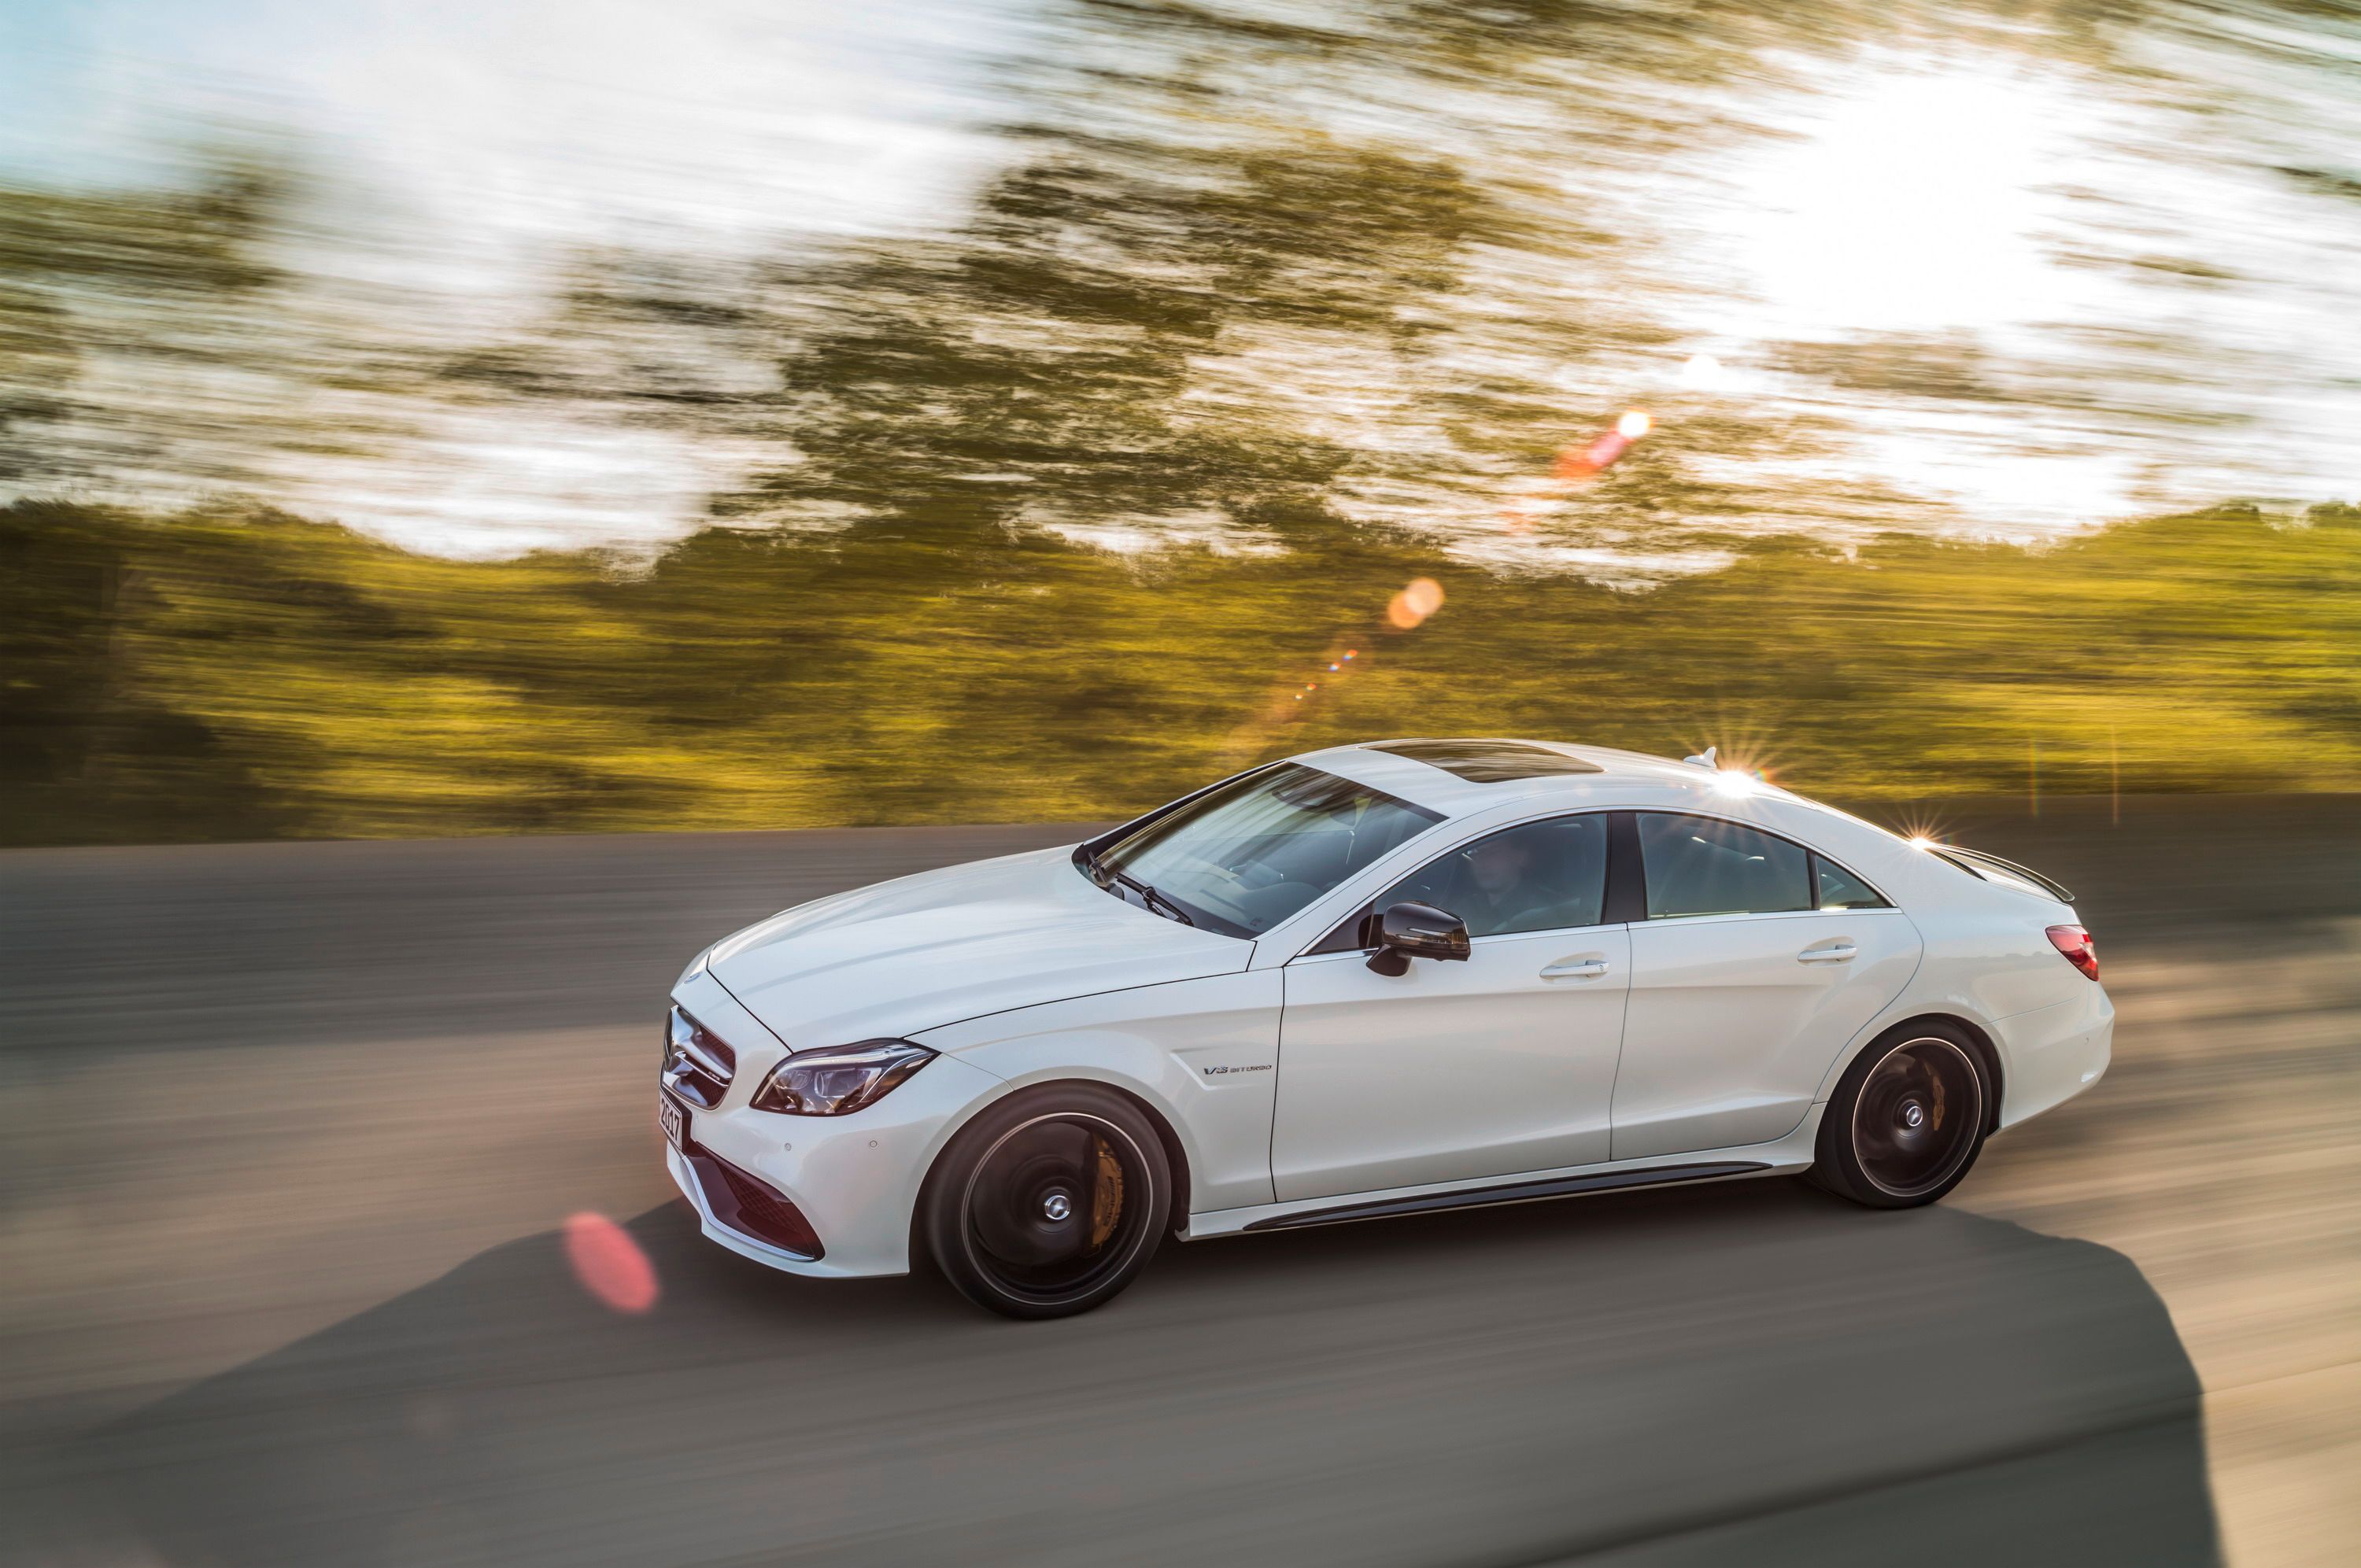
610 1263
1734 784
1419 600
1702 373
1919 826
1410 607
1574 465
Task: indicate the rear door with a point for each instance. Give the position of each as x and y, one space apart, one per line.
1759 959
1497 1066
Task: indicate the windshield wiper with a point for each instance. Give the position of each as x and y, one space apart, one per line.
1156 903
1149 897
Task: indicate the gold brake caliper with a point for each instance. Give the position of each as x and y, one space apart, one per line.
1106 1194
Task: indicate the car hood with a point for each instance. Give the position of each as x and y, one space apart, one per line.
927 950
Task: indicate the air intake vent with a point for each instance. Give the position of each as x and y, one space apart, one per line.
751 1207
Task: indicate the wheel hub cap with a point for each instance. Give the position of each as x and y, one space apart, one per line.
1051 1207
1915 1122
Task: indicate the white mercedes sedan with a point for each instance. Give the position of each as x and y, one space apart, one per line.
1368 981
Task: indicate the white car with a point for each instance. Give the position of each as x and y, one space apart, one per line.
1367 981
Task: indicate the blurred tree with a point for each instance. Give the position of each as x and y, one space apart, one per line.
126 282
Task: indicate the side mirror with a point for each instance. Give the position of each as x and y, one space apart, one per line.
1407 931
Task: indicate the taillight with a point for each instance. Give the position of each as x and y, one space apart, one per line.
2075 944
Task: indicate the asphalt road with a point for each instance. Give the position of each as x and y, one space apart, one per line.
291 1129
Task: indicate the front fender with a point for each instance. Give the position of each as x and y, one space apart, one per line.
1204 1054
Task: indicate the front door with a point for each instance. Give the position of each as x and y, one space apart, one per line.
1500 1065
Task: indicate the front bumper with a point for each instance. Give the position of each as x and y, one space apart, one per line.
853 1180
685 1177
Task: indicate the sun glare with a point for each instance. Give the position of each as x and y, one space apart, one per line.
1911 202
1701 373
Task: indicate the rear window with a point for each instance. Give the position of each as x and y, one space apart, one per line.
1489 761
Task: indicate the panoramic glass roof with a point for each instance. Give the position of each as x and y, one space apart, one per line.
1489 761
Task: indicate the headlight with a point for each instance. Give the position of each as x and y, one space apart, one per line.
839 1079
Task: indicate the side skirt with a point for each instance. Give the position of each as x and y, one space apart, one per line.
1510 1192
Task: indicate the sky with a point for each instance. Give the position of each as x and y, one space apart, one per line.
727 119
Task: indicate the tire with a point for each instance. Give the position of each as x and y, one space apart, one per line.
1907 1119
1049 1203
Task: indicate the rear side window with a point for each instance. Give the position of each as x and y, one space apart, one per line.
1697 865
1839 889
1541 876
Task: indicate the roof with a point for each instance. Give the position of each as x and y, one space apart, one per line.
1458 774
1490 761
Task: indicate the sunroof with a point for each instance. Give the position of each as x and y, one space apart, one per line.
1487 762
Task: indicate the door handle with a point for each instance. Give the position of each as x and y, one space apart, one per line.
1834 953
1576 969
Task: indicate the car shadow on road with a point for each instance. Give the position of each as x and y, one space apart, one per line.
1750 1374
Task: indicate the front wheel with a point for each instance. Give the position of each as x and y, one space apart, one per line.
1050 1202
1907 1119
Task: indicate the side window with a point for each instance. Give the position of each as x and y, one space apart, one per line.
1839 889
1696 865
1535 877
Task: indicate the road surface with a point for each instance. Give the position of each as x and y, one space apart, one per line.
292 1130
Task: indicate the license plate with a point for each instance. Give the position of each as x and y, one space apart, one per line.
673 1119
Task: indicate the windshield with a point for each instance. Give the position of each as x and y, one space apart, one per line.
1242 858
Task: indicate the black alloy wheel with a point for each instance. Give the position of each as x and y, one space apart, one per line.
1049 1203
1908 1120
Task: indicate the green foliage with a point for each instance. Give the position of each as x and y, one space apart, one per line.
221 675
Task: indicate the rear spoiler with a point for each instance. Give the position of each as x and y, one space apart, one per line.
1978 863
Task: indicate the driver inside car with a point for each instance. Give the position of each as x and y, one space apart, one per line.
1537 877
1499 889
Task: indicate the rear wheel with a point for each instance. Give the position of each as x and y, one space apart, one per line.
1907 1119
1050 1202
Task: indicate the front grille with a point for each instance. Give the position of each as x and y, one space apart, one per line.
697 1063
